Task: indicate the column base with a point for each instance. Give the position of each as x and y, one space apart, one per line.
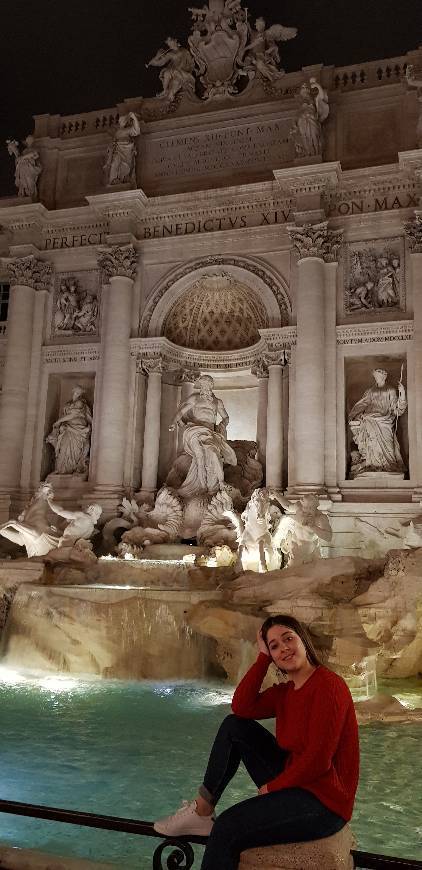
417 495
300 489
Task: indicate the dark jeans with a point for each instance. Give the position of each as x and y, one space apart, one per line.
290 815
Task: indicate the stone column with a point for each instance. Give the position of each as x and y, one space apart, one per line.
331 270
314 244
261 373
119 264
413 231
27 275
154 369
274 449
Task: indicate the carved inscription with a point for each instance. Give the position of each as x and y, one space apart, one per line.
264 144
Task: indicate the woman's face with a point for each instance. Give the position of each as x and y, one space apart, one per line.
286 648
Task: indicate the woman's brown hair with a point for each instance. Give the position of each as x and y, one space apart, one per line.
298 628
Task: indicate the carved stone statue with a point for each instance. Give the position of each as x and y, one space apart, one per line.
416 83
33 528
77 310
71 436
121 154
81 523
224 53
205 449
255 533
160 524
314 110
177 69
27 166
262 55
217 527
373 424
301 529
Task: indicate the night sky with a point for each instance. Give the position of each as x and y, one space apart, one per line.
65 56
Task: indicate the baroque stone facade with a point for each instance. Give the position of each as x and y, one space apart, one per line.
277 249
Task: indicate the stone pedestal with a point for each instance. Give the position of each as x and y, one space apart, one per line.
329 853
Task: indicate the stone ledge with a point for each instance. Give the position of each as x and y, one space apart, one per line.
12 858
329 853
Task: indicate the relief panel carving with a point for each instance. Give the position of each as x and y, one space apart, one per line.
76 307
375 277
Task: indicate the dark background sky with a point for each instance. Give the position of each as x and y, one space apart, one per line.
64 56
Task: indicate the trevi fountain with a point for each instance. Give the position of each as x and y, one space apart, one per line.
211 406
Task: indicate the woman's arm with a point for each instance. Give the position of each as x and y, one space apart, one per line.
248 701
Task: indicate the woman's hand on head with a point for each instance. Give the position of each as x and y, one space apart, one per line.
262 646
263 789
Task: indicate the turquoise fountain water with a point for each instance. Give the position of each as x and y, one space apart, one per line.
138 749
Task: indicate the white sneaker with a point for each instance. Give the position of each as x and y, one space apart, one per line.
185 821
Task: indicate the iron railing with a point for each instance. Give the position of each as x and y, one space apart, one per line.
182 855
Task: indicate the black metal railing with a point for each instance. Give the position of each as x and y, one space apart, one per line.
182 855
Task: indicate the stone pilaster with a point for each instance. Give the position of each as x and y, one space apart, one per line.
151 452
261 373
413 230
27 276
316 246
119 266
274 449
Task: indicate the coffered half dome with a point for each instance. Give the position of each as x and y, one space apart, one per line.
217 312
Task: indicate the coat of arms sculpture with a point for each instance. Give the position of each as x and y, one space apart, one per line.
225 53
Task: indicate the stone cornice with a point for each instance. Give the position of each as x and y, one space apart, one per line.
174 358
368 333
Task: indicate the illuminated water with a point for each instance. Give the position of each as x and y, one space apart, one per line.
137 749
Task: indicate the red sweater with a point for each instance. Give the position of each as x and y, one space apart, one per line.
316 724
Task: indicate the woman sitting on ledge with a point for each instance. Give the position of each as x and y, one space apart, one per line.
306 776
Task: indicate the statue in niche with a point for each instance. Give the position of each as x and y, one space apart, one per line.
121 154
262 54
313 112
199 469
414 82
71 436
177 69
77 309
373 424
374 281
34 529
27 166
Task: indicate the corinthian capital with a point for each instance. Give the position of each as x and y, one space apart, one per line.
413 230
30 272
116 262
316 240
